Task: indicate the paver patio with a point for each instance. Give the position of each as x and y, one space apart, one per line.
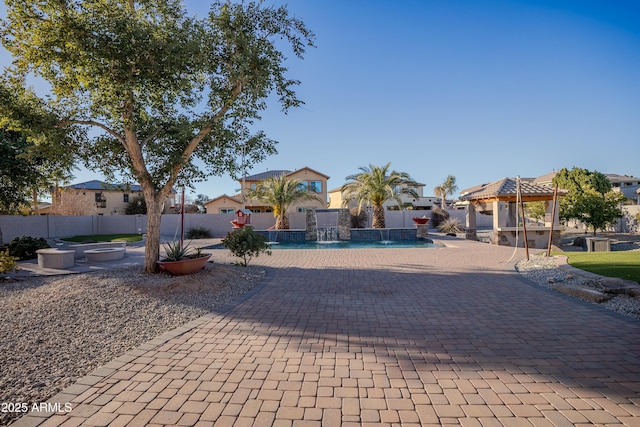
377 337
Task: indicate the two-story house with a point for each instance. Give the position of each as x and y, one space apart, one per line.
313 181
628 185
421 203
97 198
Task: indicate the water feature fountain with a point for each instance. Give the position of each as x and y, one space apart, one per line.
382 239
272 236
327 226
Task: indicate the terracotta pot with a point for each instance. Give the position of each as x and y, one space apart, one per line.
184 266
420 220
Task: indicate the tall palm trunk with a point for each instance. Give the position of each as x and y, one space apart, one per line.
378 217
282 222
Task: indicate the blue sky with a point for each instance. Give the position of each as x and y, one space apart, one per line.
478 89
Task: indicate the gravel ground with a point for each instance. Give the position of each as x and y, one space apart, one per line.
56 330
544 271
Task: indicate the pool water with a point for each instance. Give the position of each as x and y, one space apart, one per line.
346 244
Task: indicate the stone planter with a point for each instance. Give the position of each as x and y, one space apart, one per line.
184 266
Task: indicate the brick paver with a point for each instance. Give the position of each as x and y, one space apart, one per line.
378 337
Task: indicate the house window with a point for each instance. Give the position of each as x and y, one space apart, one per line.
315 186
101 201
226 210
302 186
125 198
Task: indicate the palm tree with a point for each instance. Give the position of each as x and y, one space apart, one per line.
280 193
375 185
446 188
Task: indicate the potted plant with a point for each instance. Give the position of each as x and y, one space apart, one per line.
180 260
419 220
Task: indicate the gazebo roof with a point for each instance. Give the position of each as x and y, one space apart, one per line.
506 189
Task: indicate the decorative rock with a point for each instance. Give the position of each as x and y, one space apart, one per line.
583 293
619 286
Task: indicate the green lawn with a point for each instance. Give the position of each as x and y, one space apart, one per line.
105 238
622 264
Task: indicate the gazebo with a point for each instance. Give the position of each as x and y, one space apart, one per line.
503 200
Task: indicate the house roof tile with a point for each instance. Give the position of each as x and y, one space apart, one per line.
508 188
264 175
100 185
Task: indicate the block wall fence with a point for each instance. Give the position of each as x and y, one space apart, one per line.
56 226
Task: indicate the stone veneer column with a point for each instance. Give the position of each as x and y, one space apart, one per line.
311 226
344 224
422 231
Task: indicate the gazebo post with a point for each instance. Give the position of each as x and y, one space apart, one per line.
553 219
470 226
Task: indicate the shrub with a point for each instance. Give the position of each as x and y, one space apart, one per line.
438 216
245 243
451 225
198 233
25 247
138 206
7 262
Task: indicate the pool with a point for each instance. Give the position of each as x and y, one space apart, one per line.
360 244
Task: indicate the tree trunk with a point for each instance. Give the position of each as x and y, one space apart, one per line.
152 244
378 217
282 223
36 208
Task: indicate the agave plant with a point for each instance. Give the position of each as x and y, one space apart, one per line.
450 225
175 251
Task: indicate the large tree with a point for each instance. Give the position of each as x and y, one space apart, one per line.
158 88
26 172
375 185
590 198
281 193
448 187
16 173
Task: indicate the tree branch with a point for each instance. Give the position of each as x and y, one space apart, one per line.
206 129
102 126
